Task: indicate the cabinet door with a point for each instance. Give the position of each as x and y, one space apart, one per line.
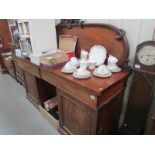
31 88
73 117
109 115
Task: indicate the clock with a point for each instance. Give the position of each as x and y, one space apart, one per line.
145 57
142 89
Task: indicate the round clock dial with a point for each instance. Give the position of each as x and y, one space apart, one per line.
146 55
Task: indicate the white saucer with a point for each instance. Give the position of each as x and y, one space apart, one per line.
67 70
115 70
87 75
101 75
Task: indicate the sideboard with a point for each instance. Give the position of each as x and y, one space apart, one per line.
89 106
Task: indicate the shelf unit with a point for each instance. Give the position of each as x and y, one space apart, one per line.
37 35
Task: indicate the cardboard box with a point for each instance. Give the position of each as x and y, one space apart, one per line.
53 58
67 44
66 50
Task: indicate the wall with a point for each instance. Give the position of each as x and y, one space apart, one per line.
137 30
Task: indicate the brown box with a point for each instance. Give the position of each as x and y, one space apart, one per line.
67 44
53 58
66 50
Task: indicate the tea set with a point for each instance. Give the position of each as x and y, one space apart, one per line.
95 58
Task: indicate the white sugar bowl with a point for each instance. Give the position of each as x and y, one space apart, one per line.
68 66
112 60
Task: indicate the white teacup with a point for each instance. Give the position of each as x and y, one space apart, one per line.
113 67
102 70
81 71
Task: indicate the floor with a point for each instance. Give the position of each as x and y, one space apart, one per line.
17 115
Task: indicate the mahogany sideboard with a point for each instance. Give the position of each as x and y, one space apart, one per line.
88 106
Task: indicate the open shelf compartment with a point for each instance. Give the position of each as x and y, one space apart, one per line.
47 91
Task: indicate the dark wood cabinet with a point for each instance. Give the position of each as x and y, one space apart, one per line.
9 63
84 108
76 117
5 39
19 75
31 88
30 72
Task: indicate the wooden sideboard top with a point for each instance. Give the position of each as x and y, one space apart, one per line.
94 84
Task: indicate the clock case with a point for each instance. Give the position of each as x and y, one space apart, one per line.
140 97
144 68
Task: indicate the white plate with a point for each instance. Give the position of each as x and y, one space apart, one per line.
98 54
101 75
87 75
67 71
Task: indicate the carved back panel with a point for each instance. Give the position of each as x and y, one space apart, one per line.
112 38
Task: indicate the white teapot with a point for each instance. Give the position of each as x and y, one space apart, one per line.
84 55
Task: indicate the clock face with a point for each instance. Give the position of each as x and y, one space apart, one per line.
146 55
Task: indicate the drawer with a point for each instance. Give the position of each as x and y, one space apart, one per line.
28 66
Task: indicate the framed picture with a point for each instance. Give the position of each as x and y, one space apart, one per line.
12 22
